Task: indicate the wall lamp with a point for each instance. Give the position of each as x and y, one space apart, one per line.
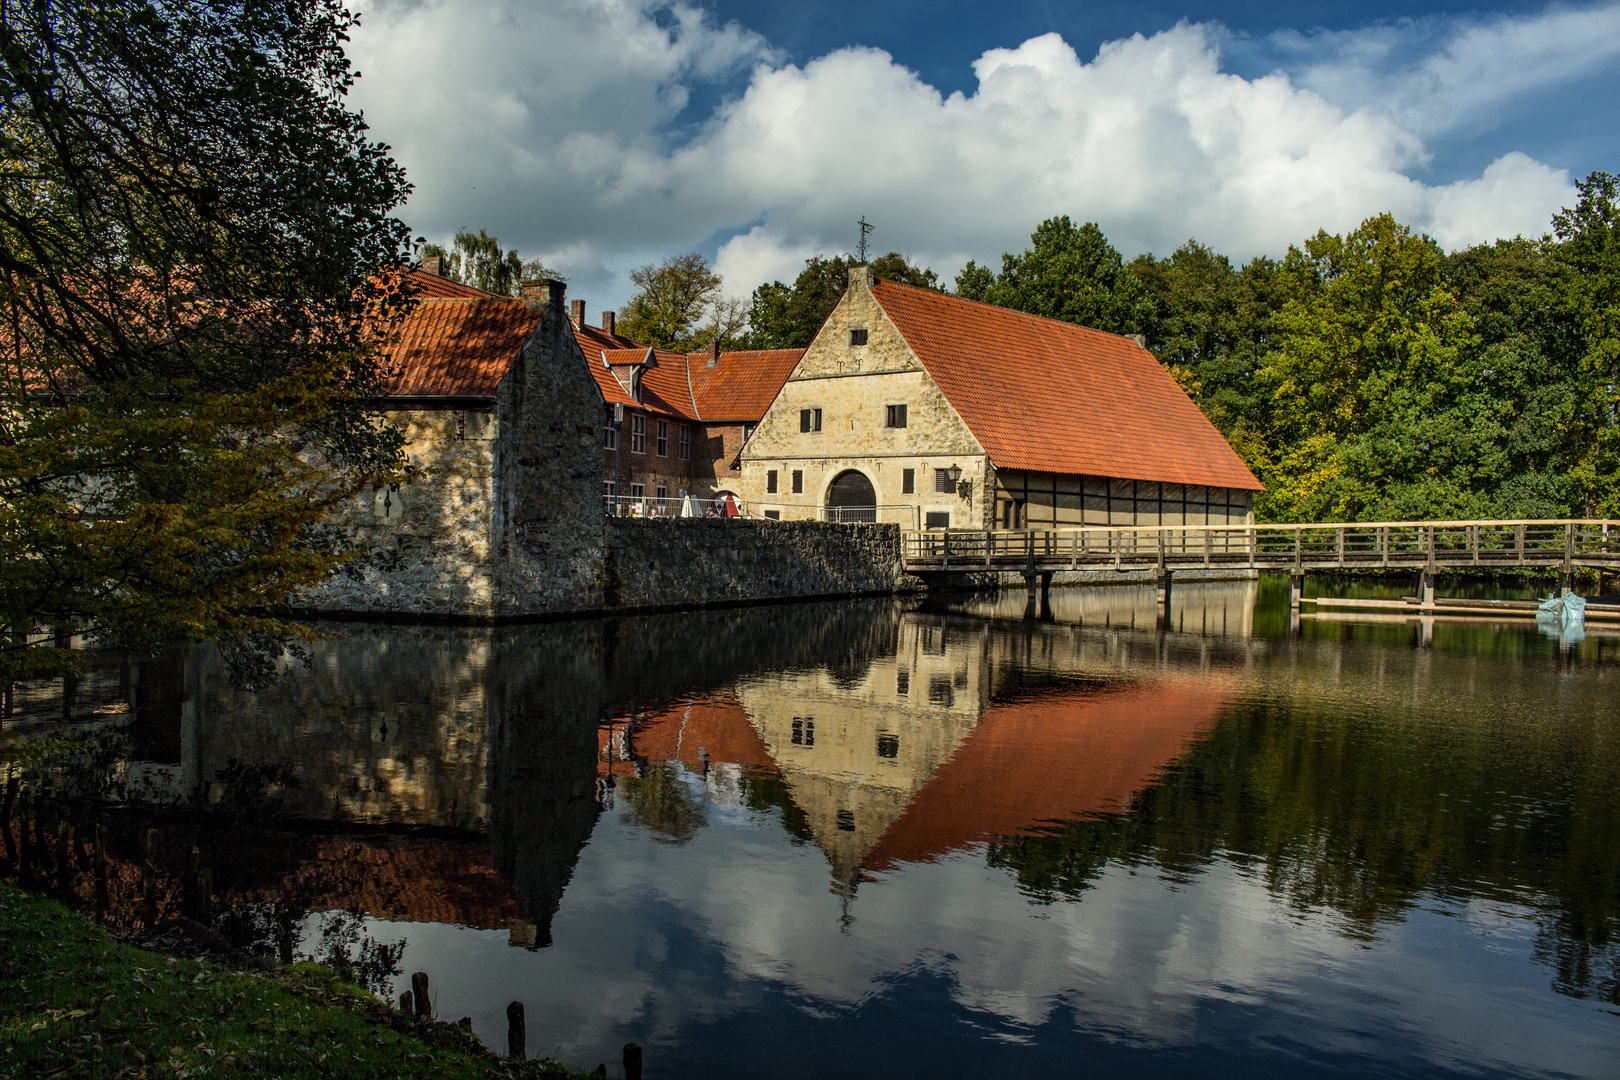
964 488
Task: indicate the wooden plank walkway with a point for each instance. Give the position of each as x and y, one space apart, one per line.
1563 545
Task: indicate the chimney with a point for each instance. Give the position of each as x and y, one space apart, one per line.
433 264
608 323
543 294
576 315
714 351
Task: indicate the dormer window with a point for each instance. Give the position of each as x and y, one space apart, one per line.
857 336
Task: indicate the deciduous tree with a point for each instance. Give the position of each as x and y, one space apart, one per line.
1068 273
477 259
789 316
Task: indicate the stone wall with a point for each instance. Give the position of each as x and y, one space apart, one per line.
687 562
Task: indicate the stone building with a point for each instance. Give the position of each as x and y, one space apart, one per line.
924 409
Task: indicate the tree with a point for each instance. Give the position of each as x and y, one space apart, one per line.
1373 379
1588 249
195 243
671 300
789 317
477 259
1066 273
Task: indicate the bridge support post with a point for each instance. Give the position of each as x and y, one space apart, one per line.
1296 591
1426 590
1566 582
1165 596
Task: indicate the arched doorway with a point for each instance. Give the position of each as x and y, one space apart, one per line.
851 498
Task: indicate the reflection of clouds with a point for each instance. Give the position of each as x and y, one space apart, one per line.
665 945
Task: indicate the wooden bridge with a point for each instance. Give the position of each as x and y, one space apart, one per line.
1425 547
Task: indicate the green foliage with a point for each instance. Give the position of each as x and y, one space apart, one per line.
1589 251
1067 273
789 317
661 800
671 300
192 229
75 1003
477 259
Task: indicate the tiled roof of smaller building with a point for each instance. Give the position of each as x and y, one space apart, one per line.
742 384
458 347
593 337
1049 396
425 285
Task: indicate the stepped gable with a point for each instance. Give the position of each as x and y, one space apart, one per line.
1097 750
742 384
458 347
1048 396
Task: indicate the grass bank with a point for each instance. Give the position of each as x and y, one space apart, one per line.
74 1002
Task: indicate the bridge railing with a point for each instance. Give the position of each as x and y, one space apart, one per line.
1349 544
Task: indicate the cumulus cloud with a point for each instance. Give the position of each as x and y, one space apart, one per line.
570 130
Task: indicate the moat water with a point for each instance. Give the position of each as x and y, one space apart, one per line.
878 838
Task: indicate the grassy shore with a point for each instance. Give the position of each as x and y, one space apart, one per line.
76 1003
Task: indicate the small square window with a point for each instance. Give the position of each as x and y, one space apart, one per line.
937 519
770 481
809 420
942 482
638 491
888 745
798 481
908 481
896 417
857 336
748 429
774 515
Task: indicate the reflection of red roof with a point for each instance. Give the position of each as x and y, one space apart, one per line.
1049 757
680 731
458 347
1053 397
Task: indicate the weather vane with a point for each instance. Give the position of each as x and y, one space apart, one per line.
865 228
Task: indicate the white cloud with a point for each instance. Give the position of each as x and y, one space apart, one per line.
565 129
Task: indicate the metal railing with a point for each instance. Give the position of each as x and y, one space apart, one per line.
902 514
1415 544
672 506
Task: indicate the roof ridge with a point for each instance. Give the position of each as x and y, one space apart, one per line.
998 307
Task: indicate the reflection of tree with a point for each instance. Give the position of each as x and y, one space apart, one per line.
1363 815
355 954
661 800
765 790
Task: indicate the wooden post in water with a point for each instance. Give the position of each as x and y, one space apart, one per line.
516 1035
419 996
632 1061
1296 590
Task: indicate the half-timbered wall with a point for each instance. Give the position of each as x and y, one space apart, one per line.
1027 500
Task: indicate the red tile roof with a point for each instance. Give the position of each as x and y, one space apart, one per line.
592 337
458 347
1052 397
424 284
742 385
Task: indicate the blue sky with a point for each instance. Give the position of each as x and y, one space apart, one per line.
604 134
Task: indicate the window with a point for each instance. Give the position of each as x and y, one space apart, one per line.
610 437
897 416
857 336
798 481
908 481
609 488
846 821
888 745
937 519
686 443
942 482
663 438
774 515
661 493
809 419
638 491
940 691
748 429
902 682
638 434
804 731
770 481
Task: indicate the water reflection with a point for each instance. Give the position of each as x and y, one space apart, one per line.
949 837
